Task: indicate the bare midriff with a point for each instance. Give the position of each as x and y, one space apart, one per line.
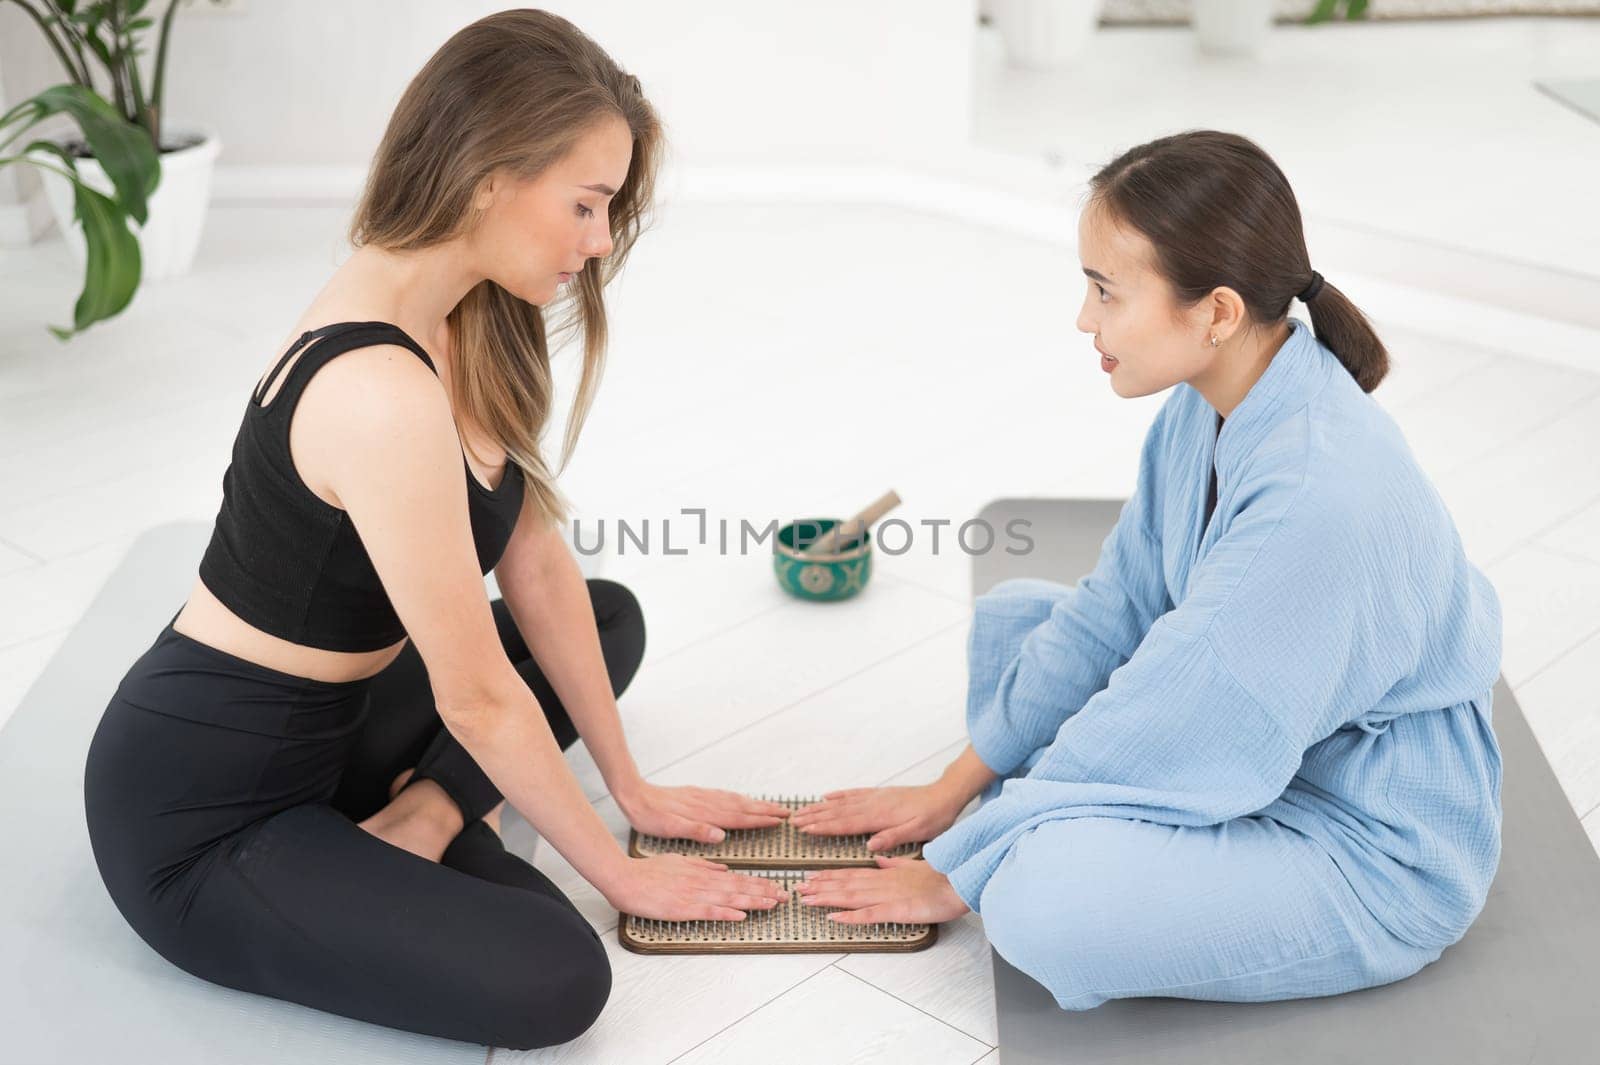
206 620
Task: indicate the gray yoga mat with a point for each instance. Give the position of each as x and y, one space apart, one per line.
1521 988
1580 94
76 984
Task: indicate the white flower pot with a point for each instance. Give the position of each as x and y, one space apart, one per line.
168 240
1232 27
1045 34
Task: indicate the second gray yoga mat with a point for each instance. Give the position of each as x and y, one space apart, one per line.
1522 987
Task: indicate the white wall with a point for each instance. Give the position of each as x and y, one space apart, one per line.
311 83
22 215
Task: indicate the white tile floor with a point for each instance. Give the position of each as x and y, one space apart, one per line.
767 362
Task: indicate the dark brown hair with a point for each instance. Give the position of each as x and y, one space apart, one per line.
1218 211
514 92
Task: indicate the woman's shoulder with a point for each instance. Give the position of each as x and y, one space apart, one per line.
380 386
373 414
1340 471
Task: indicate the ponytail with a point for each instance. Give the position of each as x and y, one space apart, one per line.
1341 326
1218 211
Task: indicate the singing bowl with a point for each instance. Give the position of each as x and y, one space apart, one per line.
825 578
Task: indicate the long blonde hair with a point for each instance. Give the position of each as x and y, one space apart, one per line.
514 92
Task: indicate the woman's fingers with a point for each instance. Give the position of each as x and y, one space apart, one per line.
747 893
681 827
849 898
831 807
739 819
730 810
762 886
867 813
886 913
833 797
764 889
740 883
834 876
857 891
714 913
733 802
746 902
845 824
890 838
846 798
765 807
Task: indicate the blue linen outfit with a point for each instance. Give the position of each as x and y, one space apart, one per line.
1251 760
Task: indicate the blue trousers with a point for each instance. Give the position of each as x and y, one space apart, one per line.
1249 910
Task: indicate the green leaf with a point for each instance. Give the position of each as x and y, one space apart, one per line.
1327 9
114 263
123 149
101 49
1322 12
23 116
113 267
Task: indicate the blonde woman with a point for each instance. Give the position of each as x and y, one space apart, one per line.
293 791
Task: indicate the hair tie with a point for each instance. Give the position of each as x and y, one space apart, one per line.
1309 293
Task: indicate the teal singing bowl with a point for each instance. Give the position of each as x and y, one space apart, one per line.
825 578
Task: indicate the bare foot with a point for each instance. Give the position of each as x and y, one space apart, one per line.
492 818
421 819
400 781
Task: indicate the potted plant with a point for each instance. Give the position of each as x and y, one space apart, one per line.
126 164
1240 27
1326 9
1232 27
129 164
1045 34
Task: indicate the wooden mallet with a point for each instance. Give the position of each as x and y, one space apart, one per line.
844 534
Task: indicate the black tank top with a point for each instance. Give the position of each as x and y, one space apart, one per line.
291 564
1211 492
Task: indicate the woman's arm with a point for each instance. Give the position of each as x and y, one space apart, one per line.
549 601
506 734
1037 652
374 428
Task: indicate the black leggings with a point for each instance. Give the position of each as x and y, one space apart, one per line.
222 799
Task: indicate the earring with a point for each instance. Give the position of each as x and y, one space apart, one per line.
1213 340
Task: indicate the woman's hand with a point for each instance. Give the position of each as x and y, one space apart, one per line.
675 887
899 890
700 814
893 815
